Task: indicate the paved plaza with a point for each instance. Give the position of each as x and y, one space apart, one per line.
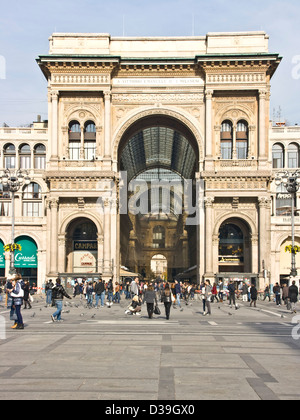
103 354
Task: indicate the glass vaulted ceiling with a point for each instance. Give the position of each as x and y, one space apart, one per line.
158 147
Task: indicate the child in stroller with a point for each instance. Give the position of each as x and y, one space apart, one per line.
135 307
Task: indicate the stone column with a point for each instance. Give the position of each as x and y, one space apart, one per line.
208 202
264 207
53 235
107 129
208 123
262 150
54 139
107 268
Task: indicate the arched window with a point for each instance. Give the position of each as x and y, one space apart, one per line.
278 156
226 140
25 156
242 140
9 156
89 140
293 155
159 237
32 200
74 140
40 156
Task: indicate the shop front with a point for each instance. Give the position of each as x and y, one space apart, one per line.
26 261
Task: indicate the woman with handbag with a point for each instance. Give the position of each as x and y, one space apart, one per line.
17 293
166 298
150 299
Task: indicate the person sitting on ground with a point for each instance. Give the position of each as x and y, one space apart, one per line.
135 307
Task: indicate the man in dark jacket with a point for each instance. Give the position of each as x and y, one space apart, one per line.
100 293
293 296
58 294
253 294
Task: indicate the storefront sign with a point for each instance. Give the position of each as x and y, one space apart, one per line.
85 246
85 262
27 258
2 257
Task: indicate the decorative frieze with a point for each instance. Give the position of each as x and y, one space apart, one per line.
236 78
79 79
158 98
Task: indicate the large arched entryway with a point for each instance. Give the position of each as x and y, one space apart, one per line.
158 153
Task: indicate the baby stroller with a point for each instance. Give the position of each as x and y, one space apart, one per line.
135 307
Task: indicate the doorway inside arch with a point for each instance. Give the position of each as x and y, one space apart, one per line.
158 154
159 267
81 247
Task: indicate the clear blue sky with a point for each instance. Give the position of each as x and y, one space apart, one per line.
25 27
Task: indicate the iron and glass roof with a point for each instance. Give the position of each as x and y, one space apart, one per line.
158 147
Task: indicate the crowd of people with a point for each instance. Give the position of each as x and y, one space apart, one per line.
99 294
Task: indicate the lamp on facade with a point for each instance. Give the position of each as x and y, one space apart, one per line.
12 181
291 182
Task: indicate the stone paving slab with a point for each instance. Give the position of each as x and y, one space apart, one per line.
105 355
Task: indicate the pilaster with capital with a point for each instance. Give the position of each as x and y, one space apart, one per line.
54 125
208 203
264 217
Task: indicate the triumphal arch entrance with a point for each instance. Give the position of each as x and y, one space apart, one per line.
158 151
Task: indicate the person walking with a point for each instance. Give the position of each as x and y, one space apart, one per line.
150 299
134 287
99 294
166 298
253 295
267 293
26 295
231 290
110 293
89 294
276 290
221 289
17 294
245 292
58 294
293 296
48 290
214 292
207 297
178 293
285 295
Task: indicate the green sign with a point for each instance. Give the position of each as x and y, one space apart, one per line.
27 258
2 255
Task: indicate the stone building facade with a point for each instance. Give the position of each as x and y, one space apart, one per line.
129 113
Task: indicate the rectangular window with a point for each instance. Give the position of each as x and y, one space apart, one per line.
292 159
226 150
31 209
10 162
277 160
25 162
89 150
241 149
5 208
40 162
74 150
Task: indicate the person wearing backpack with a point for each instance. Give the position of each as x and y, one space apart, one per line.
17 294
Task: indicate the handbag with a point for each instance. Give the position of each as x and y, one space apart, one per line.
156 310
